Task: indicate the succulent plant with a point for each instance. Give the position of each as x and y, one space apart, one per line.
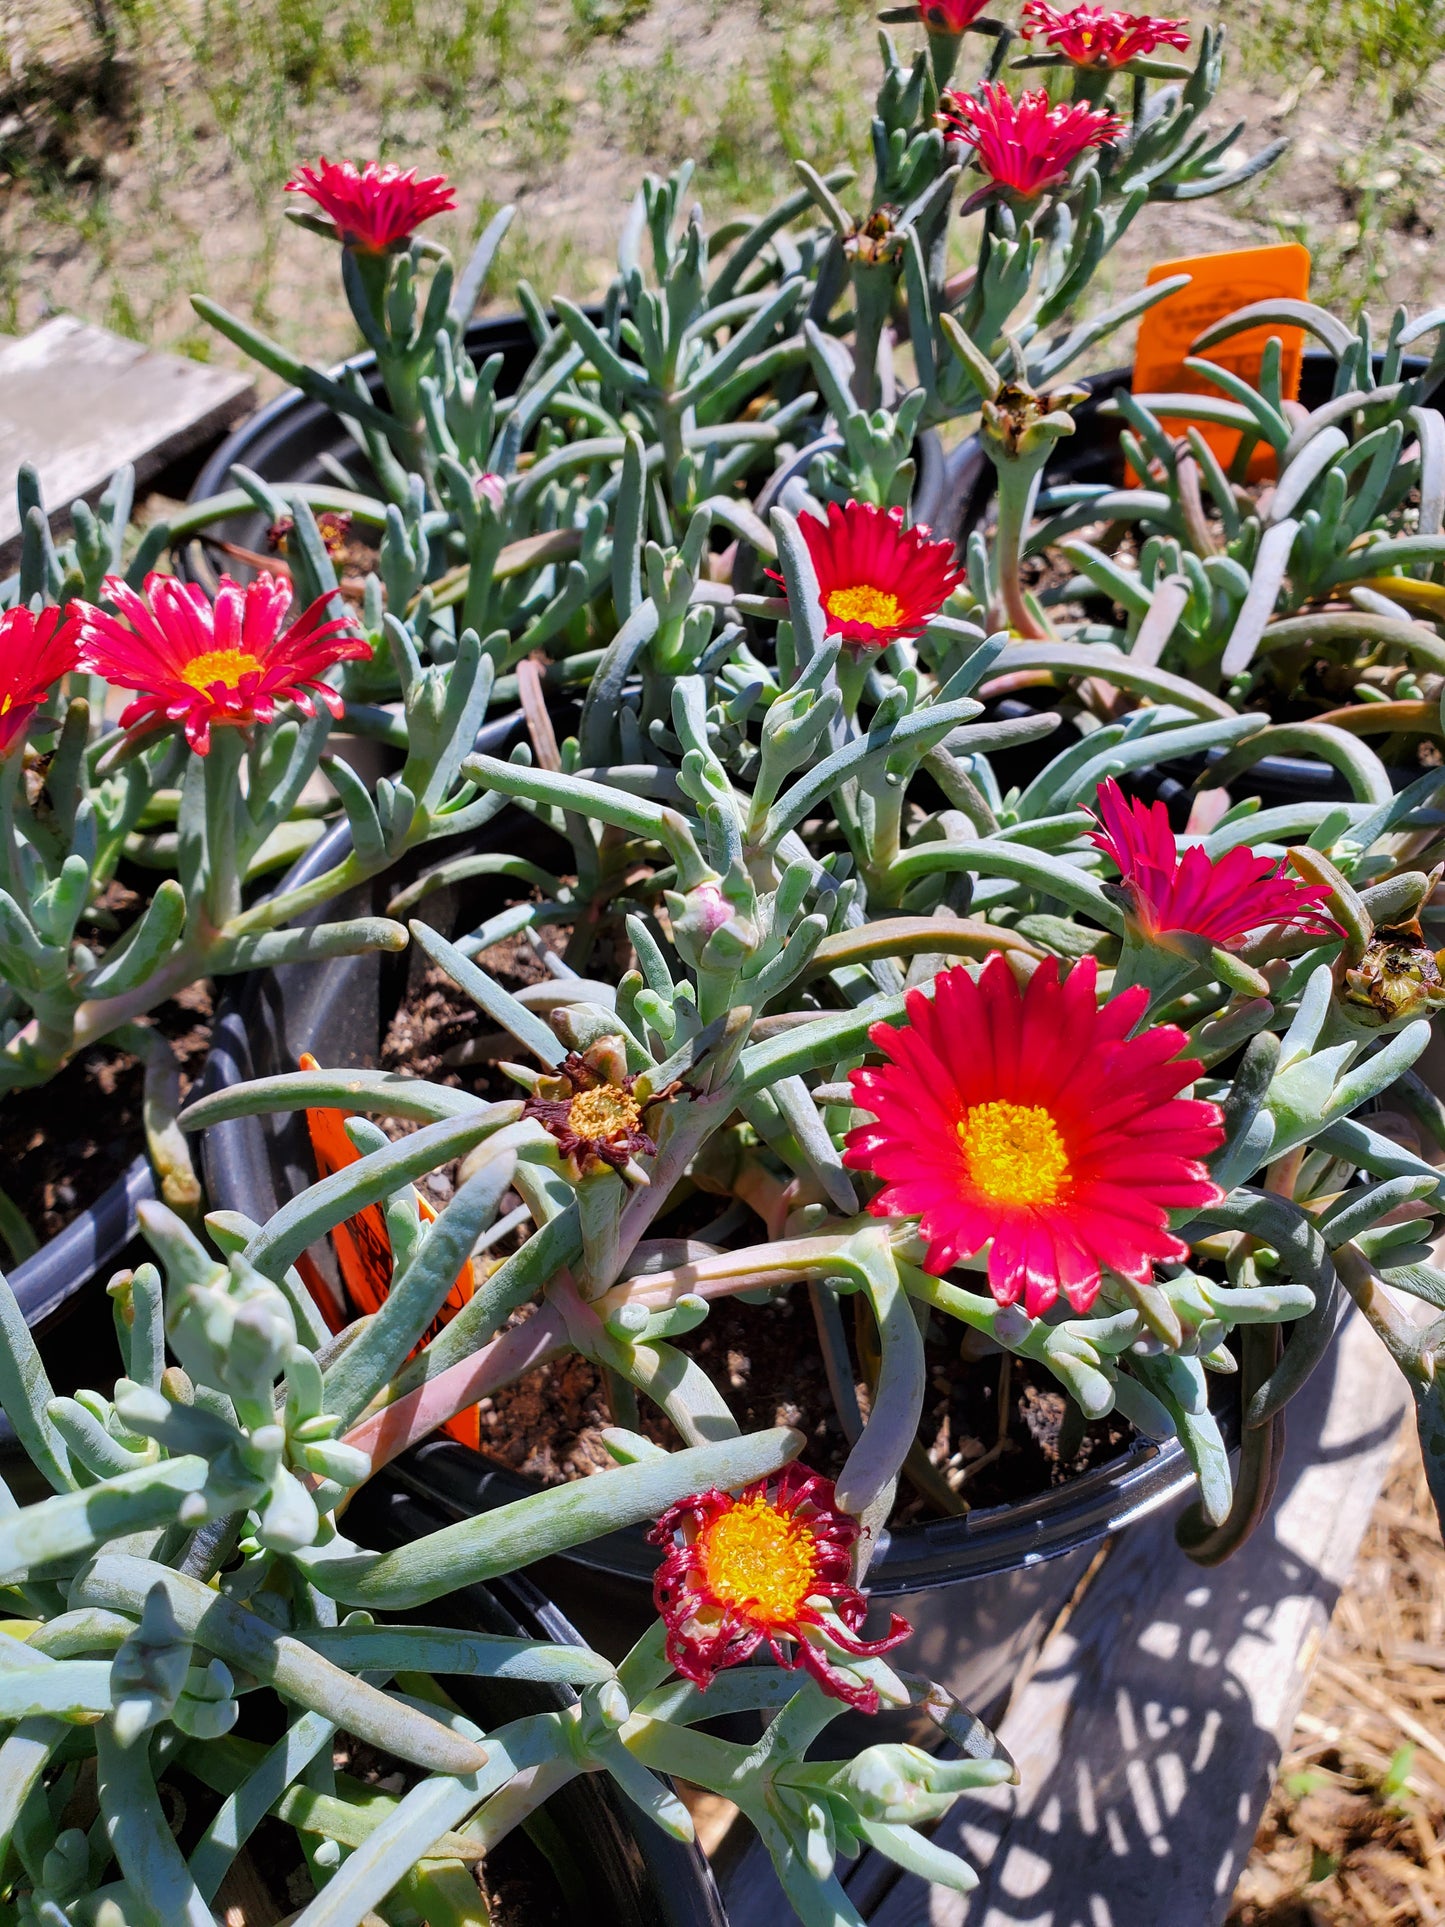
787 909
190 1564
990 1055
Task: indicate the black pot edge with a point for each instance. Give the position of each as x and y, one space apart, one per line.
966 480
63 1266
941 1552
916 1558
484 334
675 1885
53 1278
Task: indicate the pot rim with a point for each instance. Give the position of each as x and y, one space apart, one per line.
487 334
1305 773
65 1264
937 1552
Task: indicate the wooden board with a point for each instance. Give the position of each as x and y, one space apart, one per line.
79 402
1149 1730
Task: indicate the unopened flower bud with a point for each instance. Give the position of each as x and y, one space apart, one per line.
706 920
707 908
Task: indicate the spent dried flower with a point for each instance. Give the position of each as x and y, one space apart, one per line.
771 1565
595 1111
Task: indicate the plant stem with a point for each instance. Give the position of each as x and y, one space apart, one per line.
1016 488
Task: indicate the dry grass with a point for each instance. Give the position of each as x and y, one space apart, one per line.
1354 1835
166 176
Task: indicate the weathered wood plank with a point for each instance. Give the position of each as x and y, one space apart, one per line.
1149 1731
79 402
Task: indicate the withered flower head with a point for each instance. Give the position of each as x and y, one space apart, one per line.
875 239
1396 980
595 1111
333 526
1017 419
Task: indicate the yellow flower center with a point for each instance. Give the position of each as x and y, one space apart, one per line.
225 666
604 1113
755 1557
863 603
1014 1152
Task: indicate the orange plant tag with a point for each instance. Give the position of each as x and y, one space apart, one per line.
363 1250
1220 284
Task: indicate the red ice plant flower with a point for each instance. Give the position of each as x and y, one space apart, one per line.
377 206
950 16
1025 146
197 664
877 580
36 650
1032 1122
1221 898
769 1565
1090 37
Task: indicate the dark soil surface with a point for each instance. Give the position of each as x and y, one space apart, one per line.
434 1021
766 1362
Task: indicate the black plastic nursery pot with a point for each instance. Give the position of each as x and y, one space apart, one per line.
47 1282
1092 454
60 1290
285 441
1017 1563
604 1861
296 440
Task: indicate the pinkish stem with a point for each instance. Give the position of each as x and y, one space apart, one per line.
511 1355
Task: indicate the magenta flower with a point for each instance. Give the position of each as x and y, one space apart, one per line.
1090 37
1031 1121
877 581
198 664
375 207
950 16
36 650
1223 899
1026 145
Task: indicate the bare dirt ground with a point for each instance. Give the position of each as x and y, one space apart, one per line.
128 185
1355 1832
